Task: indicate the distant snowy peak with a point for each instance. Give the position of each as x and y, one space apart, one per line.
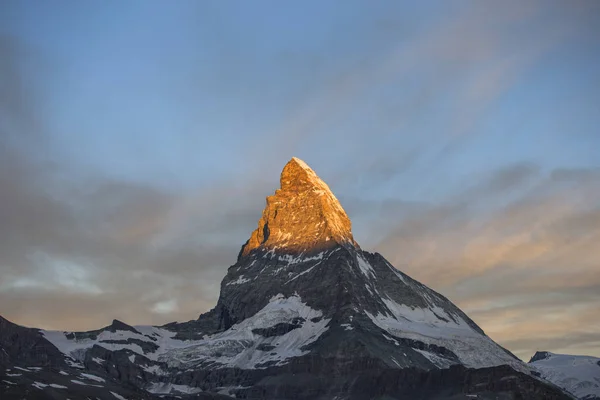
579 375
540 355
302 216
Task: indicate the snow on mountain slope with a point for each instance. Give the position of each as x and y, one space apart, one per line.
473 349
435 323
579 375
276 333
258 341
72 346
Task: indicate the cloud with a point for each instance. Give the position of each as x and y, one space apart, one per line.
76 253
513 263
456 69
116 243
165 307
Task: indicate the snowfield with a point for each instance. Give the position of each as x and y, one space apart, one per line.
238 346
579 375
473 349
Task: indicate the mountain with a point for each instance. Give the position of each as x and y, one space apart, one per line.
304 313
579 375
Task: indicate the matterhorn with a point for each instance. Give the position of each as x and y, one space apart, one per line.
304 313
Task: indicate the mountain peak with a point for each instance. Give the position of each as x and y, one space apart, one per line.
302 216
540 355
298 176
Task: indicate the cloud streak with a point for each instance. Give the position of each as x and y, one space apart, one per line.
513 265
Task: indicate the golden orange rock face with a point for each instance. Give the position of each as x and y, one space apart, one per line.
302 216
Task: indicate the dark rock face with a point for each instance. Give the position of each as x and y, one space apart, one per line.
279 329
120 326
114 327
453 383
539 355
26 346
304 314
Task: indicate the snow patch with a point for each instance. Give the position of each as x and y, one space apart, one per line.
76 348
365 267
154 369
239 281
56 386
77 382
227 390
72 363
291 260
438 361
302 273
579 375
452 332
237 347
118 396
395 271
391 339
93 377
234 347
169 388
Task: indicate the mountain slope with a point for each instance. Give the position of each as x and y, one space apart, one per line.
580 375
305 313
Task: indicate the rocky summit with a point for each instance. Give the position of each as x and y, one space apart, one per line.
304 313
302 216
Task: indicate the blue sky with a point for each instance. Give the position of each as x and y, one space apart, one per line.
164 125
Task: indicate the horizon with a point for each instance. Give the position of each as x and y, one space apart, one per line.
138 142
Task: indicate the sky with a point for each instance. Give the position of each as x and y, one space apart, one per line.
139 139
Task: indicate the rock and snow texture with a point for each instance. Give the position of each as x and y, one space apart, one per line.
303 215
435 326
413 311
279 331
579 375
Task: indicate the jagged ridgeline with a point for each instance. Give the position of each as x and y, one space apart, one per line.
304 313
